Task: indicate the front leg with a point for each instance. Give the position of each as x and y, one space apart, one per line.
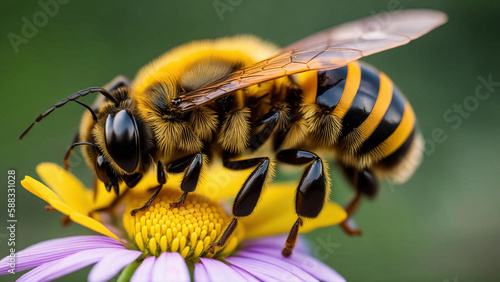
191 166
312 190
162 179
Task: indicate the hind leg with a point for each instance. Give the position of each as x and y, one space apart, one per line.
364 183
311 192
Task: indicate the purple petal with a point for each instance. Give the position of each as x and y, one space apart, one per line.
280 262
246 275
200 273
305 262
217 270
262 270
111 264
56 249
170 267
61 267
144 271
259 276
276 243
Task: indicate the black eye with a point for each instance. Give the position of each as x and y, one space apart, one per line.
122 140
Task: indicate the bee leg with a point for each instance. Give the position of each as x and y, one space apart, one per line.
191 166
311 191
269 120
75 139
65 219
365 183
162 179
291 239
248 195
347 224
223 238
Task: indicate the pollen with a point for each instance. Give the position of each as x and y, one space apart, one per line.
189 230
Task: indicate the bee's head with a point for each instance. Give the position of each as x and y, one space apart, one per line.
116 151
122 139
124 143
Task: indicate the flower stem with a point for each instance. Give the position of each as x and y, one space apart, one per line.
128 271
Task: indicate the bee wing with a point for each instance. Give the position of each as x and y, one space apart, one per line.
329 49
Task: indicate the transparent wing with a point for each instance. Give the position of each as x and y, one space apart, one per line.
329 49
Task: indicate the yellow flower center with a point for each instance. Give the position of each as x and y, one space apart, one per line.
189 230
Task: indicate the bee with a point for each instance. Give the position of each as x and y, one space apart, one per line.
244 101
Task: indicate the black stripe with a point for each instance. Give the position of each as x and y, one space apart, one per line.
396 157
363 102
331 84
388 124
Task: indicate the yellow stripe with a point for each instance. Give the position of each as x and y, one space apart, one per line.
399 136
308 81
351 88
381 105
240 100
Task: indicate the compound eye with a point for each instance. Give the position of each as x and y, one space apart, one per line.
122 140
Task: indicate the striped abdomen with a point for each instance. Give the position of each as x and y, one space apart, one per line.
372 121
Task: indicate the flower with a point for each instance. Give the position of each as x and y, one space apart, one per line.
164 244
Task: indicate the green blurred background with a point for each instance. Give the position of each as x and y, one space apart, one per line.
443 225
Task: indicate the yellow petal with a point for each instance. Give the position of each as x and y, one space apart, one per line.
56 202
221 183
103 198
39 189
275 213
92 224
61 207
77 196
82 219
66 185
